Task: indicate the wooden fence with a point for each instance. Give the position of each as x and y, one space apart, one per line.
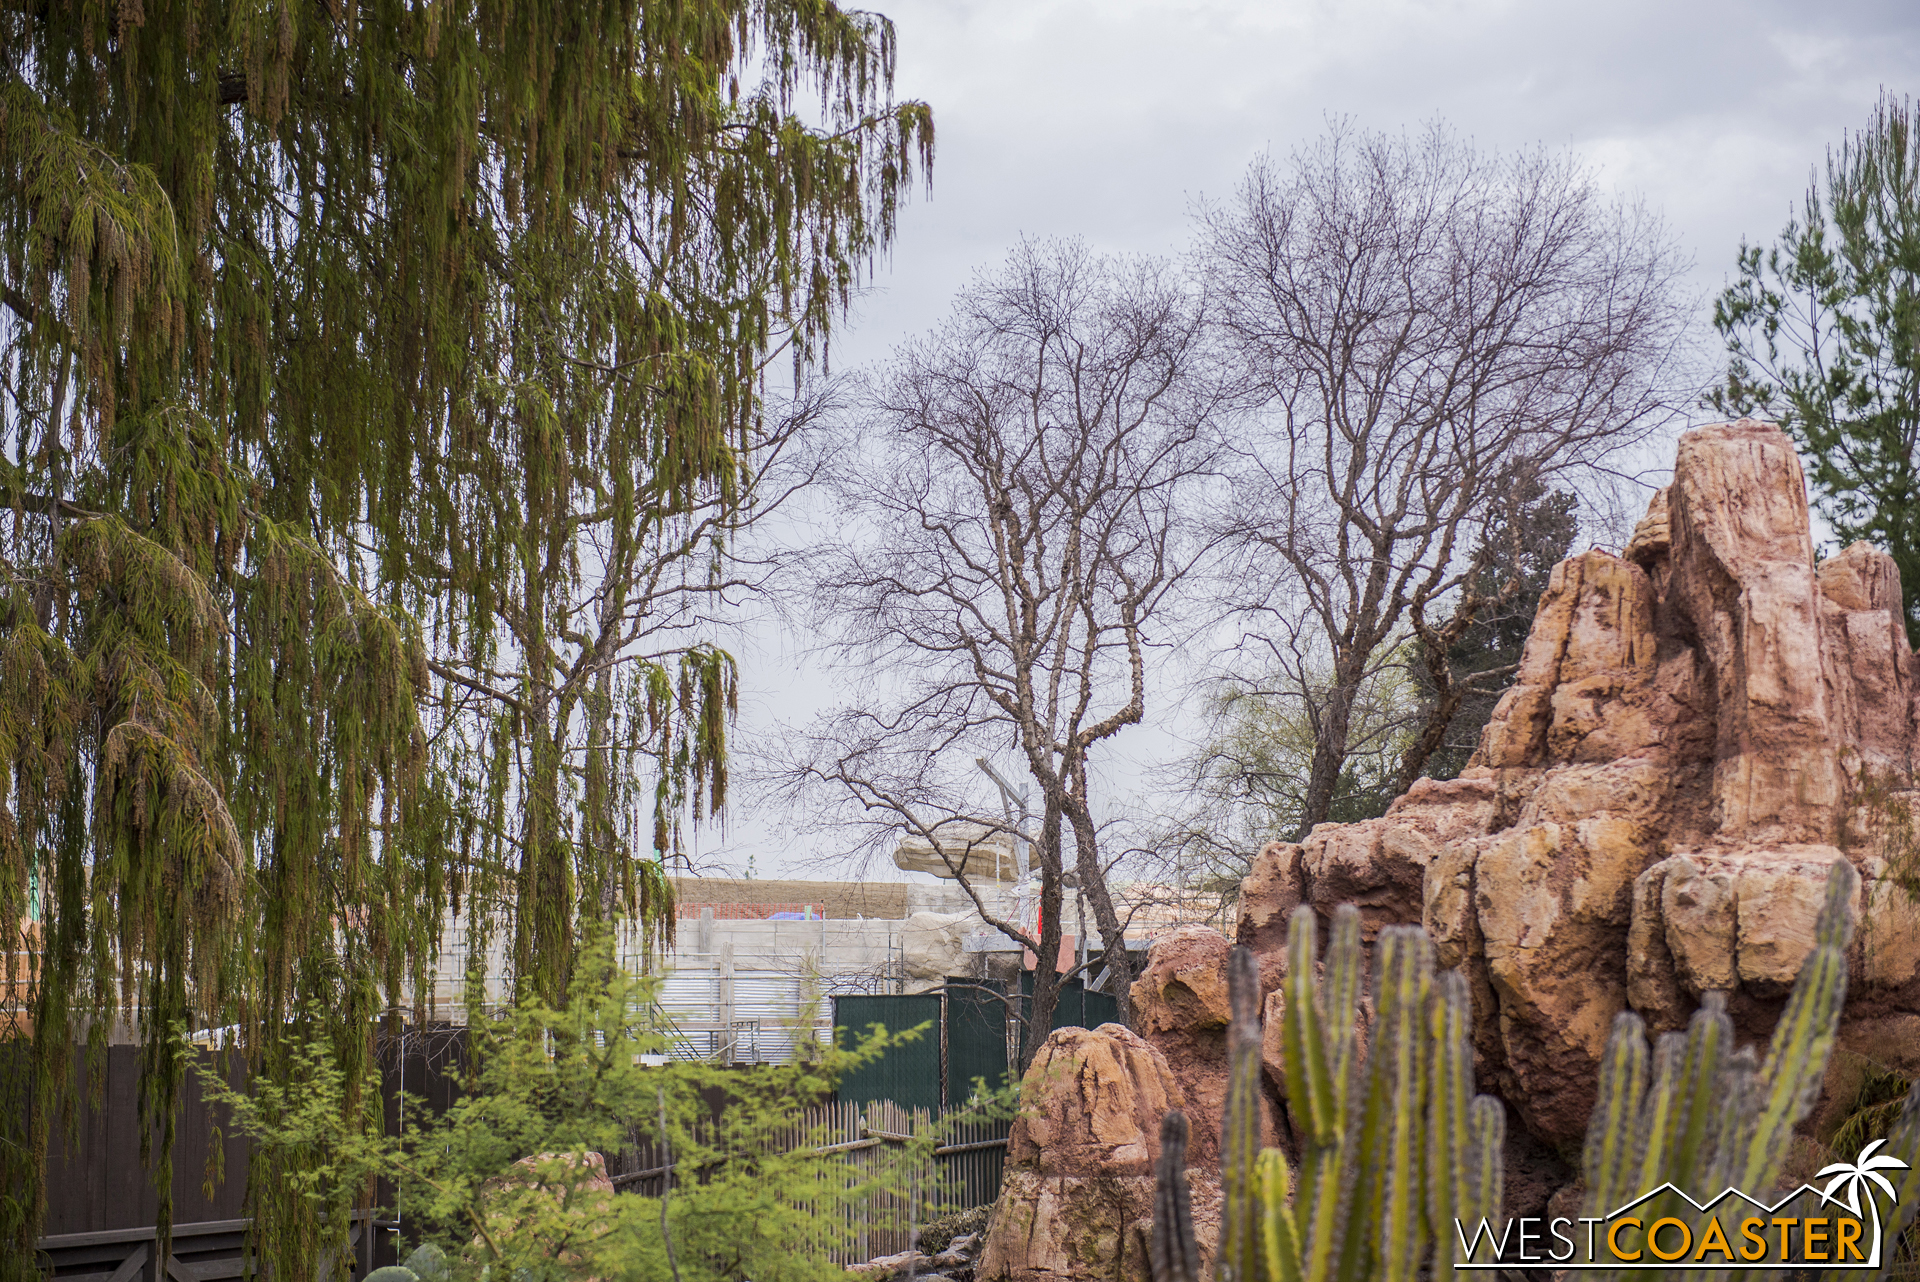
96 1181
101 1202
205 1251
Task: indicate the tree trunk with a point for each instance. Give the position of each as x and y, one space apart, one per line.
1093 884
1434 732
543 935
1329 750
1046 979
601 893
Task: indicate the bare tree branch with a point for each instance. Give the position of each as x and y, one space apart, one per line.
1420 325
1017 511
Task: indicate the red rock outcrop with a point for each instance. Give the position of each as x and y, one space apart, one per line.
1698 728
1077 1198
1180 1005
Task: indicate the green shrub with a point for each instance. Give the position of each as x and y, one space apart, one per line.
507 1182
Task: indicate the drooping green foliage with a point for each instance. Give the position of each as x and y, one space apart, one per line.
380 388
1878 1099
1703 1116
1823 332
510 1179
1390 1154
1902 1227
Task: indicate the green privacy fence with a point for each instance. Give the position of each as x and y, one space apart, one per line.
976 1046
909 1072
1076 1007
967 1038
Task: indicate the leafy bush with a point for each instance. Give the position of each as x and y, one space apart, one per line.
510 1181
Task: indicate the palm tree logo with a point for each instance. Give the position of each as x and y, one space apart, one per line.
1862 1175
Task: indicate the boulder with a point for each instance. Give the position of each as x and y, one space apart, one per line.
548 1197
1078 1190
933 946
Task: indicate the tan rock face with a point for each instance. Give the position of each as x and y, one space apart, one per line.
1092 1101
1697 729
1077 1199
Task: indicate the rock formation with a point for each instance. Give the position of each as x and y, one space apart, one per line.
1180 1006
1698 728
1077 1198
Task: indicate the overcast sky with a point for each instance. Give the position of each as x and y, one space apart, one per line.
1108 119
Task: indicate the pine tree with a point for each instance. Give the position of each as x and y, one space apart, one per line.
382 386
1823 335
1521 545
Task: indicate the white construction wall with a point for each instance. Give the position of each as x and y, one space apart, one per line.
749 990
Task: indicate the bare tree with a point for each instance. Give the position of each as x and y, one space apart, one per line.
1014 497
1431 331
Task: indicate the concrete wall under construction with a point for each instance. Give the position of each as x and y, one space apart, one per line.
747 979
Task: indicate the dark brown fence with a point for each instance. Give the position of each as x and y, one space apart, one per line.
96 1179
207 1251
101 1201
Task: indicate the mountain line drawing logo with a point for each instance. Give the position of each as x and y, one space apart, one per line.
1665 1228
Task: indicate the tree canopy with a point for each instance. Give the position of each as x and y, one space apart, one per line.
1428 328
382 385
1013 548
1519 546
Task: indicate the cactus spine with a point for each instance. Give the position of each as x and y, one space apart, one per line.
1388 1157
1707 1117
1390 1164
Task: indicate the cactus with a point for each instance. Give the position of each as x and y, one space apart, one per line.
1394 1156
1712 1117
1388 1157
1904 1224
1240 1234
1173 1254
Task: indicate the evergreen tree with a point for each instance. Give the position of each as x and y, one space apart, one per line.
1521 544
1823 334
382 387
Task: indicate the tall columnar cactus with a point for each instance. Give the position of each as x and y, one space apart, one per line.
1388 1157
1903 1141
1173 1255
1394 1156
1703 1116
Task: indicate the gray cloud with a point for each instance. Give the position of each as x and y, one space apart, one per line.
1106 118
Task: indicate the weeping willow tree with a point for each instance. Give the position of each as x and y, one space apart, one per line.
381 388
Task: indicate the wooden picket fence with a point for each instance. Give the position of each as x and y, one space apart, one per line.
906 1187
